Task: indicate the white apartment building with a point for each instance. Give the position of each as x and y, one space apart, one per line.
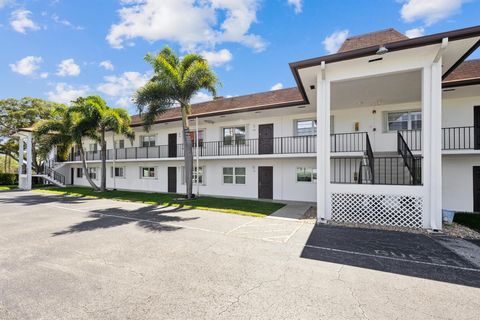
386 131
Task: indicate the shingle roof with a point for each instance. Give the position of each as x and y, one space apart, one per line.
263 100
469 69
376 38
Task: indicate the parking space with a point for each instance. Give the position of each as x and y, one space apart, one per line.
64 257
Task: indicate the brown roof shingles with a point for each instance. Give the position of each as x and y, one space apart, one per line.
376 38
469 69
263 100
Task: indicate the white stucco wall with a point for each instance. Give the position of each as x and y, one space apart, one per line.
285 186
457 173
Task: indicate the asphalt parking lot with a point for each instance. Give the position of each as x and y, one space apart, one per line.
74 258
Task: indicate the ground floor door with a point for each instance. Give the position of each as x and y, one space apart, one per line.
265 182
265 138
72 176
476 189
172 179
172 145
476 127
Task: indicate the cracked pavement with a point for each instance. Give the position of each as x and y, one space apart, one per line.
73 258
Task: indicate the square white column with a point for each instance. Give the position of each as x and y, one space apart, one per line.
323 148
28 185
20 162
432 145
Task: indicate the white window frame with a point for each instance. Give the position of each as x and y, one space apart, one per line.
203 183
93 170
313 174
234 176
117 144
234 140
155 172
123 172
93 147
409 121
150 136
314 128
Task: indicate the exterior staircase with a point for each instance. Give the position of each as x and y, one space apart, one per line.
390 168
50 174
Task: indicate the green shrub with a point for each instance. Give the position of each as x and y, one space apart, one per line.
8 178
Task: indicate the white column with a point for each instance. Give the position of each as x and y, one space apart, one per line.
323 147
28 185
432 148
20 162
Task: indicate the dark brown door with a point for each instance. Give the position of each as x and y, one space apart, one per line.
476 127
265 138
72 176
265 182
172 145
172 179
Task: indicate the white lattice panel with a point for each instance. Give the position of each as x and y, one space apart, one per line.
390 210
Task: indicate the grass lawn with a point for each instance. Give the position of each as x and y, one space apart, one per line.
8 187
238 206
470 220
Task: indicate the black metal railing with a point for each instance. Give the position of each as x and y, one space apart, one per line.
408 158
348 142
413 138
458 138
370 158
279 145
387 171
45 170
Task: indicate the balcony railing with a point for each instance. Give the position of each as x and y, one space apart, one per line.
280 145
348 142
453 138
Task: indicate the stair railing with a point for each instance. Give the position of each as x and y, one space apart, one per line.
411 162
371 164
53 174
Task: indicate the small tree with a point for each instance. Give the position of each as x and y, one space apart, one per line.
95 119
174 82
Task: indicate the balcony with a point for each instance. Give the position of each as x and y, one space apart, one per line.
453 138
246 147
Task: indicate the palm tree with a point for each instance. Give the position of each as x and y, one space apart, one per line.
62 132
96 118
174 82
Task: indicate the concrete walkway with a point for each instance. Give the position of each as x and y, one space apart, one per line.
293 210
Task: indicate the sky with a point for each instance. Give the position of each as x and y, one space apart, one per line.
61 49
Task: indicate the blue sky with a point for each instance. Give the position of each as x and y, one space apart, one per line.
59 49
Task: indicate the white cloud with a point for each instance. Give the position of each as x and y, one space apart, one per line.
333 42
123 87
415 32
429 11
68 67
277 86
201 97
65 22
3 3
64 93
217 58
106 64
21 22
44 75
201 24
297 5
27 65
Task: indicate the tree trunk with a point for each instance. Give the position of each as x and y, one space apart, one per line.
188 153
103 182
85 169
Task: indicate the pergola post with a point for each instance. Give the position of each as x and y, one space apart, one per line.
29 162
20 162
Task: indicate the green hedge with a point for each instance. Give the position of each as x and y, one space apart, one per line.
8 178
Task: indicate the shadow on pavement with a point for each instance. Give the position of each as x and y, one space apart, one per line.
33 199
415 255
151 218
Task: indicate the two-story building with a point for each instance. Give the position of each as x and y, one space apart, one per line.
386 131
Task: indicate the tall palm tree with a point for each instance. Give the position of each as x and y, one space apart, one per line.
96 118
174 82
